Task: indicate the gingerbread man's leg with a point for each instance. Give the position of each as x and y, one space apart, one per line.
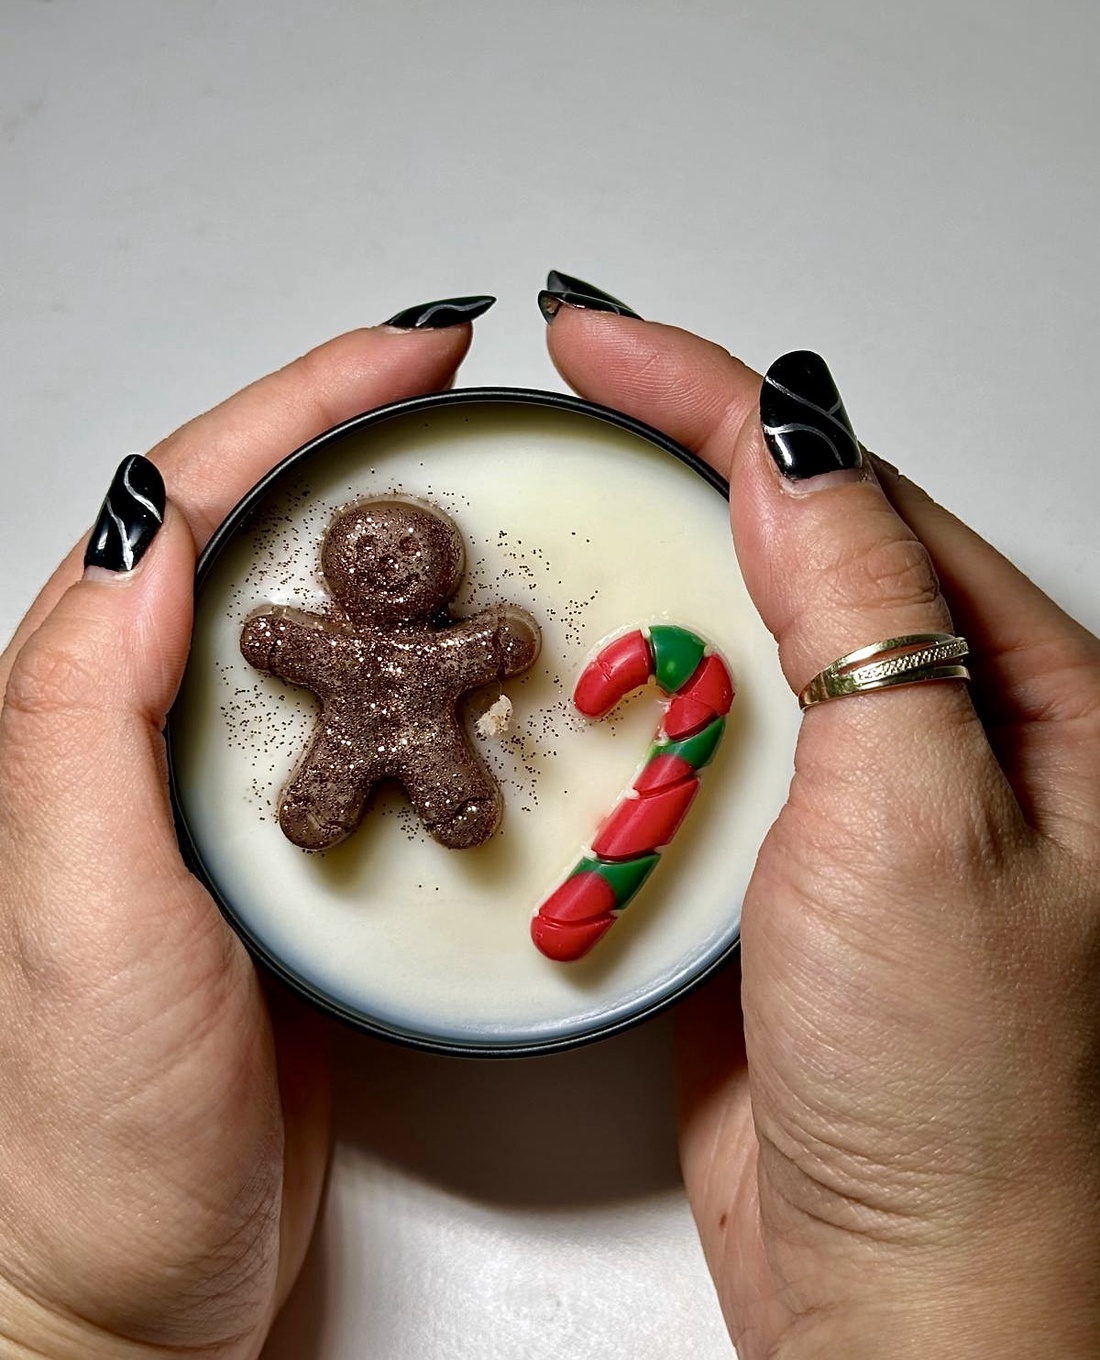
451 790
324 800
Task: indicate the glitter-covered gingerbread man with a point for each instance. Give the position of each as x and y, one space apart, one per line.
389 665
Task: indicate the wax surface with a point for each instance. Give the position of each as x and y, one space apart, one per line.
593 530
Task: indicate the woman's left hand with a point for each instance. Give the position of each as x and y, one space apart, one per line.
901 1147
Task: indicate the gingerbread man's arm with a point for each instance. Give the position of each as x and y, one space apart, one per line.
501 641
303 649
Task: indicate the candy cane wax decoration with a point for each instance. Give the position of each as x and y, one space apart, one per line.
628 843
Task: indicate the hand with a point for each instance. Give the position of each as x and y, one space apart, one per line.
163 1134
901 1157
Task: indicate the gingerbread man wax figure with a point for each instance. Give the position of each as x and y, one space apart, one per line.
389 666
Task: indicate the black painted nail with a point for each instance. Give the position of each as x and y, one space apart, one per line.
557 282
132 513
566 290
436 316
806 427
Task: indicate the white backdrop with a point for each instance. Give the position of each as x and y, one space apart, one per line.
196 190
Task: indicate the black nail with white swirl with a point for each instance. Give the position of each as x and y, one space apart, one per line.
437 316
132 513
805 424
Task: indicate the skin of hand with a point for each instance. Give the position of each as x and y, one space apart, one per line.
163 1123
897 1151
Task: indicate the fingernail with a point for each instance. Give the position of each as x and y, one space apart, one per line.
566 290
436 316
806 427
131 514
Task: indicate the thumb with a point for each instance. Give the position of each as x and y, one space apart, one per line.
81 754
832 568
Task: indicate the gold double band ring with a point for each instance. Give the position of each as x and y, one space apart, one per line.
907 660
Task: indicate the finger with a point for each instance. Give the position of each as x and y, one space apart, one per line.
84 812
1036 670
829 564
690 388
213 460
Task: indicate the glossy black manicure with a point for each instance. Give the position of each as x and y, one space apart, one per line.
806 427
557 282
566 290
130 517
436 316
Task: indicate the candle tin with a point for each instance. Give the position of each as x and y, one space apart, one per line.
602 529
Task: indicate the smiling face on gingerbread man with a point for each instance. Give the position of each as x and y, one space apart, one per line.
392 562
389 666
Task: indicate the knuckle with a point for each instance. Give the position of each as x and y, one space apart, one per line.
1069 696
885 572
307 385
1081 682
51 677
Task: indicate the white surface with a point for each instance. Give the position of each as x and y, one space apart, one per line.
194 191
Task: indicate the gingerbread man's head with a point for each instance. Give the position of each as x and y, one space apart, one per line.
392 561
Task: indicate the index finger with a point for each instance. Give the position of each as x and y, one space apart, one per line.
209 463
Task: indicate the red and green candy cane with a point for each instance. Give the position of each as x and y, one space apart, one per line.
629 841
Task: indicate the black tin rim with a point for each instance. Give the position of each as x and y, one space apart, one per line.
303 987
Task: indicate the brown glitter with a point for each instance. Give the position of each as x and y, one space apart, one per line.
389 665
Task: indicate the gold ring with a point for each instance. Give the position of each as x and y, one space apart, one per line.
907 660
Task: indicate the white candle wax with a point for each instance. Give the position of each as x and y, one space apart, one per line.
595 531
